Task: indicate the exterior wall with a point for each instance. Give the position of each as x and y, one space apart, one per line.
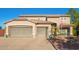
54 20
17 23
65 20
34 29
20 23
58 20
35 18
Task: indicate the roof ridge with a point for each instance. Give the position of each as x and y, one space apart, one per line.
44 15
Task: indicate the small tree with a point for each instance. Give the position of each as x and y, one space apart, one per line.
74 18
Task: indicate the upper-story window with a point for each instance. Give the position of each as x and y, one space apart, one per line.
63 18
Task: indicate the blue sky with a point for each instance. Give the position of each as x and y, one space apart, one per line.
10 13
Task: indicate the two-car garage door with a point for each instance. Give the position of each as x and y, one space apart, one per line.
27 32
21 32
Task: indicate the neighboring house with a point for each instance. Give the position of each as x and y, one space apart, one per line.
37 26
2 32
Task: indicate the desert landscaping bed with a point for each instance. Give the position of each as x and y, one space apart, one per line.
65 43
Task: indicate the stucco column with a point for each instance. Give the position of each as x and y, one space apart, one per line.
71 30
49 31
6 31
34 31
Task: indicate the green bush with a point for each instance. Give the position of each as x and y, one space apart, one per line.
74 32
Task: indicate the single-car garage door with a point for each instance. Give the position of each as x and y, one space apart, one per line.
21 32
41 32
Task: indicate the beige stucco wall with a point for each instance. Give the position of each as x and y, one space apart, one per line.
54 20
19 23
34 29
64 20
35 18
58 20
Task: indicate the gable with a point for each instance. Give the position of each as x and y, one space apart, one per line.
20 23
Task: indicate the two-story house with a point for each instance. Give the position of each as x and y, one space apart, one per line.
37 25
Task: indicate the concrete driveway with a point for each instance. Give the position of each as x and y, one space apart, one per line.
25 44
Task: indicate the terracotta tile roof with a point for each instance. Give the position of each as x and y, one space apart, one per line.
31 20
9 21
38 15
40 21
66 25
44 15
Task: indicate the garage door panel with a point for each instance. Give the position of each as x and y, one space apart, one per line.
41 32
21 32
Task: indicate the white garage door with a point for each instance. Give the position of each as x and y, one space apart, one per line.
21 32
42 32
